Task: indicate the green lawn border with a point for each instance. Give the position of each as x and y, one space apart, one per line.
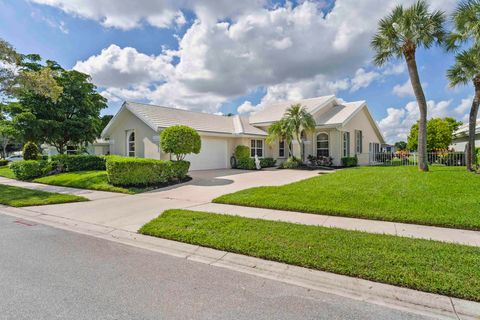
431 266
23 197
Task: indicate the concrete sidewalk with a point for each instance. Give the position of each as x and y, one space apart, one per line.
89 194
428 304
467 237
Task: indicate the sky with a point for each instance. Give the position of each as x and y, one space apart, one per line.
229 56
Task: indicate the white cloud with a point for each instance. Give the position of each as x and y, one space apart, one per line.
404 90
246 107
394 69
396 125
463 109
291 51
363 79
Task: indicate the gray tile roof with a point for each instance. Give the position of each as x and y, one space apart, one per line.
158 117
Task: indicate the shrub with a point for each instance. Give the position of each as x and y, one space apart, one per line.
267 162
242 152
320 161
290 163
82 162
123 171
180 140
31 169
30 151
246 163
3 162
350 161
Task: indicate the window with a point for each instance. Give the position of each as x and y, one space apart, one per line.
256 148
346 144
322 145
281 149
131 144
358 141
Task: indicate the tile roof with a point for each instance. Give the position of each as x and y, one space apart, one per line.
162 117
338 114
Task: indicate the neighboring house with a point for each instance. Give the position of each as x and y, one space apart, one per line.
343 129
460 138
98 147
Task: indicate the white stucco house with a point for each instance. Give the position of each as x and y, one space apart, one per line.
460 138
343 129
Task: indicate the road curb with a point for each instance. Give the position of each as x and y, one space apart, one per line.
423 303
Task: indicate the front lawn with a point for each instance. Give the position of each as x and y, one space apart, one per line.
22 197
6 172
92 180
445 196
425 265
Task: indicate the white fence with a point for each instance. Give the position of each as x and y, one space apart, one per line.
403 158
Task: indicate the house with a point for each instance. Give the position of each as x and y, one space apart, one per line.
460 138
343 129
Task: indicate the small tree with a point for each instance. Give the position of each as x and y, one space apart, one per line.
30 151
439 133
180 140
297 118
400 145
242 152
282 131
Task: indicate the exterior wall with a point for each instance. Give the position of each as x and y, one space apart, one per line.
360 122
460 144
146 139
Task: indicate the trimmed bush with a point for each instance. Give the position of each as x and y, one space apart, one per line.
246 163
30 151
267 162
290 163
349 161
180 140
31 169
3 162
242 152
83 162
123 171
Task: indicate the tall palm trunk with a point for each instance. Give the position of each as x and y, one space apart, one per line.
409 54
472 124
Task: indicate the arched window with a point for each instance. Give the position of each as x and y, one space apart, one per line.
322 145
131 144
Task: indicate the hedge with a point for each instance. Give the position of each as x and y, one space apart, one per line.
83 162
267 162
123 171
242 152
349 161
31 169
249 163
3 162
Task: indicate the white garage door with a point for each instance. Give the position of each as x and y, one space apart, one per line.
213 155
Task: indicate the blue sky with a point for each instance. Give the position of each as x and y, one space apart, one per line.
228 56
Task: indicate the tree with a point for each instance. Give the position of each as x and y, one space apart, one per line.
399 35
73 118
400 145
22 72
104 121
466 21
180 140
439 134
297 118
281 131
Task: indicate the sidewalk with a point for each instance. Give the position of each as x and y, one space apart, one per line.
89 194
467 237
428 304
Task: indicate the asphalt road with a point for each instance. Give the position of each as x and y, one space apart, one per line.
47 273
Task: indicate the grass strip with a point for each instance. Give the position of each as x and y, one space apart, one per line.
431 266
22 197
445 196
6 172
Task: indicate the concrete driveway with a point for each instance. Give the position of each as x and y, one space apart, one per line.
130 212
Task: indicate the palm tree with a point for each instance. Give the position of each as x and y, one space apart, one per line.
297 118
399 35
466 69
466 21
281 131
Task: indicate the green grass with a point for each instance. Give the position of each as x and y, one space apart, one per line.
425 265
21 197
6 172
445 196
92 180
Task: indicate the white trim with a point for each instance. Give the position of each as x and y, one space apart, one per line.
263 147
128 134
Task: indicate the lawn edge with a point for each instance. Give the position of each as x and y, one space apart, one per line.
419 302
